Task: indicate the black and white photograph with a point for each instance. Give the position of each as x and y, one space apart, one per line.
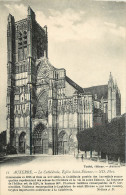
62 97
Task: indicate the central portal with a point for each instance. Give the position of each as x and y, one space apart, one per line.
40 139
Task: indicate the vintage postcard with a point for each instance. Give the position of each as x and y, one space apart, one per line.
62 97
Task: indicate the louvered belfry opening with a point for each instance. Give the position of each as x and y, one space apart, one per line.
40 139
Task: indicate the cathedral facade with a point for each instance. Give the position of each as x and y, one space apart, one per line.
45 108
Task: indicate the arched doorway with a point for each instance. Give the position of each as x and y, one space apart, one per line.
63 145
22 142
40 139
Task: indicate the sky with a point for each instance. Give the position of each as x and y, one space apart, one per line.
87 38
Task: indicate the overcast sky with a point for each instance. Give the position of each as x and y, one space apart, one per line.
87 38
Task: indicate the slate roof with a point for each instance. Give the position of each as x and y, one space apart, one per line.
100 90
75 85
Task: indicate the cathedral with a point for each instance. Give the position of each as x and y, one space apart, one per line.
45 108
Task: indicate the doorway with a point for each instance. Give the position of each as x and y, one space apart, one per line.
22 142
40 139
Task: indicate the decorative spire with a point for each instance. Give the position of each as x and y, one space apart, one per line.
31 13
110 81
116 86
10 18
110 77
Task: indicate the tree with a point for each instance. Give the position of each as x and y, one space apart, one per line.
2 143
108 139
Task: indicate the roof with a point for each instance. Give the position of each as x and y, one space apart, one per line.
75 85
100 90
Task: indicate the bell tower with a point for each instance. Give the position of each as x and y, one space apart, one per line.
26 42
10 80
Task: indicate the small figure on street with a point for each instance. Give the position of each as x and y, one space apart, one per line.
82 157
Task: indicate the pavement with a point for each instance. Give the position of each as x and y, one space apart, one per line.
20 159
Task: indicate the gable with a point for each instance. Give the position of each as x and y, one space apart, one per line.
43 68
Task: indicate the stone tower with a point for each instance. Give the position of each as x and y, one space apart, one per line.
26 42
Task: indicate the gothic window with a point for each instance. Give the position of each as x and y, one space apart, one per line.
20 54
17 90
19 37
25 68
86 104
75 101
26 89
22 68
16 122
16 71
38 131
22 140
25 53
57 76
70 102
24 121
89 106
21 122
39 47
42 106
25 36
